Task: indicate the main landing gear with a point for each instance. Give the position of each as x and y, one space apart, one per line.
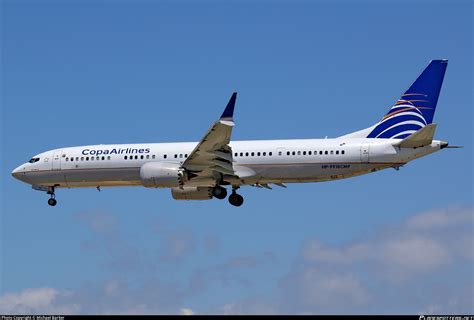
234 199
219 192
52 201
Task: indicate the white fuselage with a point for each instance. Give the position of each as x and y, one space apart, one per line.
255 162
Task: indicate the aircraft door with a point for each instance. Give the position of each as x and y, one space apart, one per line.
56 163
364 153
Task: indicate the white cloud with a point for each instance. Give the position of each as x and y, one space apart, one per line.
418 245
187 312
443 219
35 300
413 253
419 265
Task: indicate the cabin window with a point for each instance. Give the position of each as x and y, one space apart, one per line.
253 154
304 153
67 159
136 157
309 153
92 158
288 153
87 158
342 152
141 157
332 152
258 154
320 152
264 154
180 155
235 154
293 153
326 152
164 156
269 153
185 155
337 151
108 157
175 155
246 154
241 154
153 156
279 153
103 158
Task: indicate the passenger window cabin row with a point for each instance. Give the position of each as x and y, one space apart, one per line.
309 153
72 159
289 153
142 157
252 154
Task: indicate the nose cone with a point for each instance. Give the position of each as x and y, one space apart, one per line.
19 172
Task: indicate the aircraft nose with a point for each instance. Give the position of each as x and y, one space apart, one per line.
18 172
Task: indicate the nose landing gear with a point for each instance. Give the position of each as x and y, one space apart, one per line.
52 201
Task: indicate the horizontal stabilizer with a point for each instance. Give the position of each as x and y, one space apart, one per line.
421 138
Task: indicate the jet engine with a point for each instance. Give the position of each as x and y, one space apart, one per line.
192 193
161 174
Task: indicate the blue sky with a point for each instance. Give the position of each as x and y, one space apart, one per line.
89 72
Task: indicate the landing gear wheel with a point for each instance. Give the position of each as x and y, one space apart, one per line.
219 192
52 201
236 199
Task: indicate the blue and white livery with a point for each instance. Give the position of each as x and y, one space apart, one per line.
204 170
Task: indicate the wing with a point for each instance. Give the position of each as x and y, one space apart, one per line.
212 157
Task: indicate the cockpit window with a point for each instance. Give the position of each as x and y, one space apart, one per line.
33 160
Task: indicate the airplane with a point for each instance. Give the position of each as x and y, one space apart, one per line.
202 170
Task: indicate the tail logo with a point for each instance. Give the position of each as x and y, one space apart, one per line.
416 107
403 119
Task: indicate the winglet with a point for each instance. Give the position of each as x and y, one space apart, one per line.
229 109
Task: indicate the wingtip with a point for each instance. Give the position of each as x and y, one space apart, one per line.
228 113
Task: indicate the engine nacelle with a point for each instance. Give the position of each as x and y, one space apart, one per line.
192 193
160 174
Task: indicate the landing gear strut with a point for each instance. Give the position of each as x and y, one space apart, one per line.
236 199
52 201
219 192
